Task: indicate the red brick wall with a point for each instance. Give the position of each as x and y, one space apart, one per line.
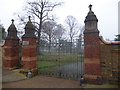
11 54
29 64
11 43
92 52
29 53
110 61
92 69
9 64
11 51
92 56
91 38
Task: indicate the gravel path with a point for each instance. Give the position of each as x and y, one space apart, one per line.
43 82
13 79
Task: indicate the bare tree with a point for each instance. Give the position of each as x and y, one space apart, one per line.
73 28
48 31
52 32
80 40
40 11
72 24
59 31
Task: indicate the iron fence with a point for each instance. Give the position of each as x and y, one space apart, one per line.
63 59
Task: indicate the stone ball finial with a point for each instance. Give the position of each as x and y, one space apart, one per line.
12 21
90 7
29 18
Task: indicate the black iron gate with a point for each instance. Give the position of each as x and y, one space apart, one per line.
64 59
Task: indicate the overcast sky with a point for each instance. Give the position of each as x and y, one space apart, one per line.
105 10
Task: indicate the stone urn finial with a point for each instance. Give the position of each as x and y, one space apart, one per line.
90 7
29 18
12 21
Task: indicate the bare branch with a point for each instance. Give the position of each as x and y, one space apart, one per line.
40 9
72 25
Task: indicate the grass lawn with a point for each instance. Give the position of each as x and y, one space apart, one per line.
47 70
53 59
42 64
45 62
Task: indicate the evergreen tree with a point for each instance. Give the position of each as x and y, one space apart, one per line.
117 37
2 33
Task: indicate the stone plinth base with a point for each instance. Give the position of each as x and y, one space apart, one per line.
10 64
93 79
29 64
34 71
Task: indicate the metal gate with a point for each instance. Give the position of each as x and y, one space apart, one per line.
63 59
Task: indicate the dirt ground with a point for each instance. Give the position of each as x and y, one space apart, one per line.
43 82
13 79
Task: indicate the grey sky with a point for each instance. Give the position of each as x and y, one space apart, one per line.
105 10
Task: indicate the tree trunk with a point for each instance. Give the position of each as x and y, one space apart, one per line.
39 37
71 44
50 45
39 32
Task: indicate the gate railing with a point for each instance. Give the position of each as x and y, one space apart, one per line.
60 61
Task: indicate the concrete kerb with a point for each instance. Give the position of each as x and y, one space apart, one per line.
12 76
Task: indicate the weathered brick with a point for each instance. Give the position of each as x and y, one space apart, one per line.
92 69
11 48
29 64
29 51
91 47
